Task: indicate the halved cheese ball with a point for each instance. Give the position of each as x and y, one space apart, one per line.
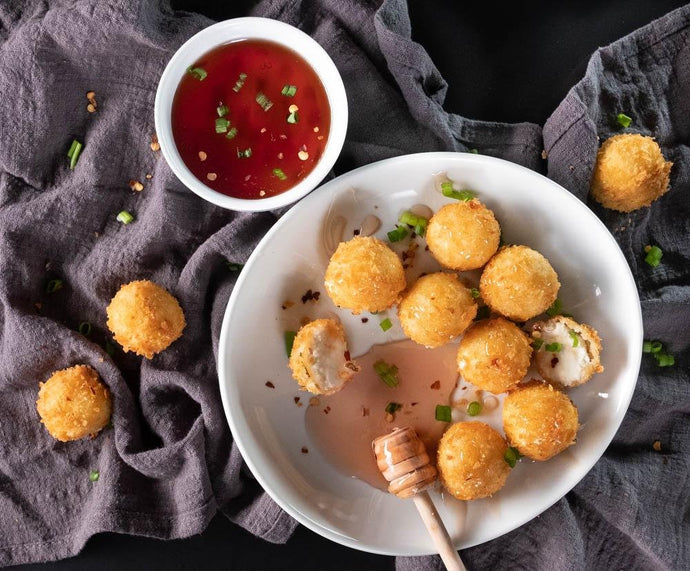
436 309
319 360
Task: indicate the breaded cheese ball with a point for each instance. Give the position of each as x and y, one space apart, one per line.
630 172
364 274
494 355
471 460
436 309
539 420
519 283
74 403
463 235
145 318
568 353
319 359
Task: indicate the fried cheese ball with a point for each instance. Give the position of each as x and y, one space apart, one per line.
494 355
436 309
471 460
364 274
630 172
568 354
463 235
319 359
145 318
74 403
519 282
539 420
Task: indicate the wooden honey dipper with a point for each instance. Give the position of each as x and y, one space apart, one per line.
402 459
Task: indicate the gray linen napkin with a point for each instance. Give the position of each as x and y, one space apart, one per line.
168 463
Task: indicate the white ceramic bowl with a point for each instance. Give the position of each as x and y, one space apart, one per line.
257 29
596 286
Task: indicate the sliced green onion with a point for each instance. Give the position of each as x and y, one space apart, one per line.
244 154
84 328
279 173
653 257
511 456
623 120
231 133
417 222
240 82
125 217
393 407
475 293
463 195
53 285
386 324
289 341
647 347
556 308
198 72
474 408
483 312
73 153
387 373
222 125
553 347
537 343
398 234
292 118
234 266
443 413
222 110
575 338
664 359
289 90
264 102
94 475
656 346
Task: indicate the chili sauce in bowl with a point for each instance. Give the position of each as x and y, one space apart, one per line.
250 118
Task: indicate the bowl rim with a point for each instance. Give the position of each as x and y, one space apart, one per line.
262 29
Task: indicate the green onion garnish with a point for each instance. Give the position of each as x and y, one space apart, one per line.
664 359
387 373
474 408
84 328
656 346
443 413
537 343
198 72
289 90
623 120
264 102
553 347
417 222
475 293
292 118
244 154
240 82
473 151
231 133
222 125
511 456
73 153
94 475
575 338
483 312
279 173
125 217
234 266
653 257
556 308
393 407
289 342
386 324
53 285
463 195
222 110
398 234
647 347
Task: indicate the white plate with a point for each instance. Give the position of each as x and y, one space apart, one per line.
270 430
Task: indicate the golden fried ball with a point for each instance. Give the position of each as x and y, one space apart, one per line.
539 420
364 274
145 318
519 283
436 309
494 355
471 460
630 172
463 235
319 359
74 403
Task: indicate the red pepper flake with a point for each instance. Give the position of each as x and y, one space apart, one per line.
327 410
305 450
365 319
287 304
436 385
347 356
311 296
426 248
414 403
297 401
365 411
554 362
270 385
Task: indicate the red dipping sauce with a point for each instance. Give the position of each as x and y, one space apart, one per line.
251 119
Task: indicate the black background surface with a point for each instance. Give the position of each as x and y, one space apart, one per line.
502 63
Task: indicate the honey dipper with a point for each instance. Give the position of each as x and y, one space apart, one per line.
402 459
